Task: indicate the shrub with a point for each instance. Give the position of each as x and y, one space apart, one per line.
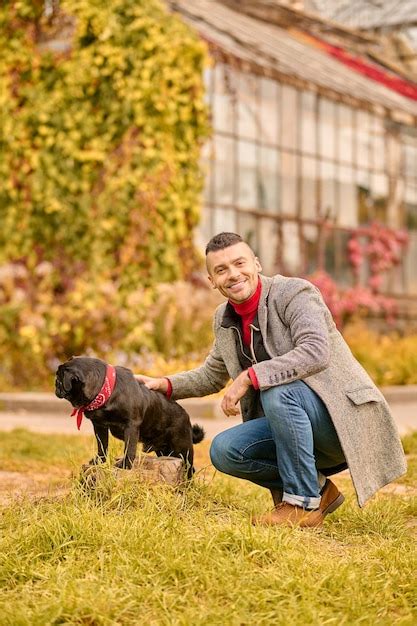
100 183
152 330
390 359
374 250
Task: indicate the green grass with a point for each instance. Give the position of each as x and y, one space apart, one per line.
133 554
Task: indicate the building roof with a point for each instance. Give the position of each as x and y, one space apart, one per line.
369 14
283 52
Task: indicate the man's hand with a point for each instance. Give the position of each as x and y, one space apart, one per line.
234 393
156 384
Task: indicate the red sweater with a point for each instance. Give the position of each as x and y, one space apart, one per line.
247 312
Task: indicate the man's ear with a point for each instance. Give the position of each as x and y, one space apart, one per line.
211 281
258 264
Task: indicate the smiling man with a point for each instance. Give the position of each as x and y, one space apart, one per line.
309 409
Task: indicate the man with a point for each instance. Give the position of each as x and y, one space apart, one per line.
309 409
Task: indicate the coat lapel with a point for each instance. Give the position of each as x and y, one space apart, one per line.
263 310
227 345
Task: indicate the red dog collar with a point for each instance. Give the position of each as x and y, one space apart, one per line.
101 398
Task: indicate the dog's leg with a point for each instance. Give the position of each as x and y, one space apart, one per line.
102 438
131 442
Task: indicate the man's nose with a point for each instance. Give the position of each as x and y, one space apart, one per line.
234 272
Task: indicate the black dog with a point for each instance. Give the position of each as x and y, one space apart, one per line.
132 412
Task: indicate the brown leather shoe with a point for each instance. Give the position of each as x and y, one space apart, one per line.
286 514
331 498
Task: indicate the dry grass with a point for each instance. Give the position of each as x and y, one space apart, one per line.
134 554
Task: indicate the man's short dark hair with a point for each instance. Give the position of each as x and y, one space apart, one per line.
222 241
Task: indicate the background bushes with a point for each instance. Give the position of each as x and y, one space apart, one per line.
99 175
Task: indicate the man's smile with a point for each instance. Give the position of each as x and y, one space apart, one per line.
237 286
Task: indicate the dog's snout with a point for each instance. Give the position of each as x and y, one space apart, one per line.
59 390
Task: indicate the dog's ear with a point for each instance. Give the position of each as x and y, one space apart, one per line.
69 376
67 380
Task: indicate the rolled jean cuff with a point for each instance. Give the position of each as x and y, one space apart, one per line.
304 501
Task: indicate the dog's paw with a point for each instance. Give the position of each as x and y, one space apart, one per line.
123 463
97 460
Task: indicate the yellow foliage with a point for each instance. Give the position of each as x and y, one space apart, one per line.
100 183
390 359
86 132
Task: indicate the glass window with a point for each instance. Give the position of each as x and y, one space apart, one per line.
330 253
411 264
363 195
311 248
328 207
327 130
378 143
363 139
247 228
394 155
309 187
224 98
205 228
290 117
410 197
224 170
248 175
291 249
308 122
269 179
269 110
345 128
347 197
248 107
379 191
288 183
224 220
344 269
268 245
410 160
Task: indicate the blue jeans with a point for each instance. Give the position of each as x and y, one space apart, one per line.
284 449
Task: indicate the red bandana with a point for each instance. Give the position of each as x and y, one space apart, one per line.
101 398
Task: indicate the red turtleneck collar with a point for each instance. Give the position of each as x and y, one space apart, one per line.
247 311
250 305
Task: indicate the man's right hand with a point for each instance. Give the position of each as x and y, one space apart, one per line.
156 384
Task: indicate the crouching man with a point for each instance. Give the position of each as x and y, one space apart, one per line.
309 408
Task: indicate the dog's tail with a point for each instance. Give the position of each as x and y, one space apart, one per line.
198 433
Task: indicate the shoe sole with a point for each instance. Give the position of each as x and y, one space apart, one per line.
334 505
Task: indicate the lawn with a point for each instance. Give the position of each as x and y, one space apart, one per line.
153 555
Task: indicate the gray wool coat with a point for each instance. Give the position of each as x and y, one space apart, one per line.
303 342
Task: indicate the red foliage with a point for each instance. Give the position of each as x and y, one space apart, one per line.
381 248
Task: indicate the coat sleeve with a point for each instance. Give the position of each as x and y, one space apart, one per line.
302 311
211 377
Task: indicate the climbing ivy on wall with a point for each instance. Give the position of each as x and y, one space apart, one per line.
99 181
100 143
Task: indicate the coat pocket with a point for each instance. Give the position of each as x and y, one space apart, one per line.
362 395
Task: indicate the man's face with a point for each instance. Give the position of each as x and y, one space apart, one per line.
234 271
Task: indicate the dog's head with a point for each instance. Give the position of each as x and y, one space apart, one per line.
78 380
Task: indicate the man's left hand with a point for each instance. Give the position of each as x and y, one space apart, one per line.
234 393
